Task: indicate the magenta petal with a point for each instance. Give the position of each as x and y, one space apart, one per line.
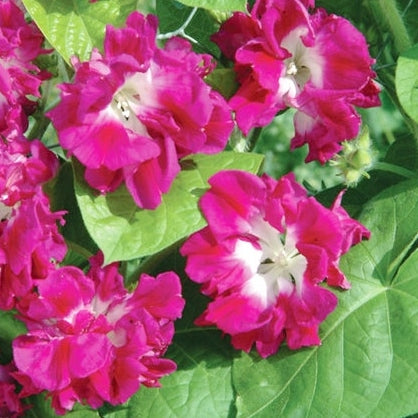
64 400
254 105
48 358
232 200
235 32
136 39
354 231
160 296
103 179
323 121
219 126
149 180
103 149
334 37
88 353
305 314
233 314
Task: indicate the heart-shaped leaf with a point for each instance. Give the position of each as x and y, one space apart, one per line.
406 81
74 27
123 231
217 5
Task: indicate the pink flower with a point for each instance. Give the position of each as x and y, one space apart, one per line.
134 111
29 239
30 244
20 44
10 404
266 249
89 340
286 57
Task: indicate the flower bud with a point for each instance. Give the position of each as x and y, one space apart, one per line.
355 159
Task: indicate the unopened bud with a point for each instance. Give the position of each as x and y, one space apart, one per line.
355 158
238 141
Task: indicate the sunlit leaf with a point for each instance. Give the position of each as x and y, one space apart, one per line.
201 386
123 231
407 81
10 328
74 27
218 5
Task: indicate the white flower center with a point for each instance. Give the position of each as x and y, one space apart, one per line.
5 212
122 104
298 73
304 65
132 98
277 267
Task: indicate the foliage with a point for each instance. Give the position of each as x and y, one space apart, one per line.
366 365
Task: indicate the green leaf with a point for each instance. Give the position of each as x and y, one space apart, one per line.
217 5
172 15
224 81
366 365
40 407
406 81
10 328
78 239
201 386
74 27
123 231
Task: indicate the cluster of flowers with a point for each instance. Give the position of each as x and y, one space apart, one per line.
20 78
128 116
88 339
30 244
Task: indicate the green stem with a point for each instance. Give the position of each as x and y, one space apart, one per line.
387 78
63 69
42 122
386 12
151 264
39 128
395 169
253 138
196 329
78 249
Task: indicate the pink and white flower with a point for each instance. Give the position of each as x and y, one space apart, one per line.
284 57
20 78
266 249
91 341
132 112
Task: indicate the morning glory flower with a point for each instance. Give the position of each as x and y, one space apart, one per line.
263 256
287 56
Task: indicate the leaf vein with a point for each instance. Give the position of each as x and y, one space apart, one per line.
313 351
